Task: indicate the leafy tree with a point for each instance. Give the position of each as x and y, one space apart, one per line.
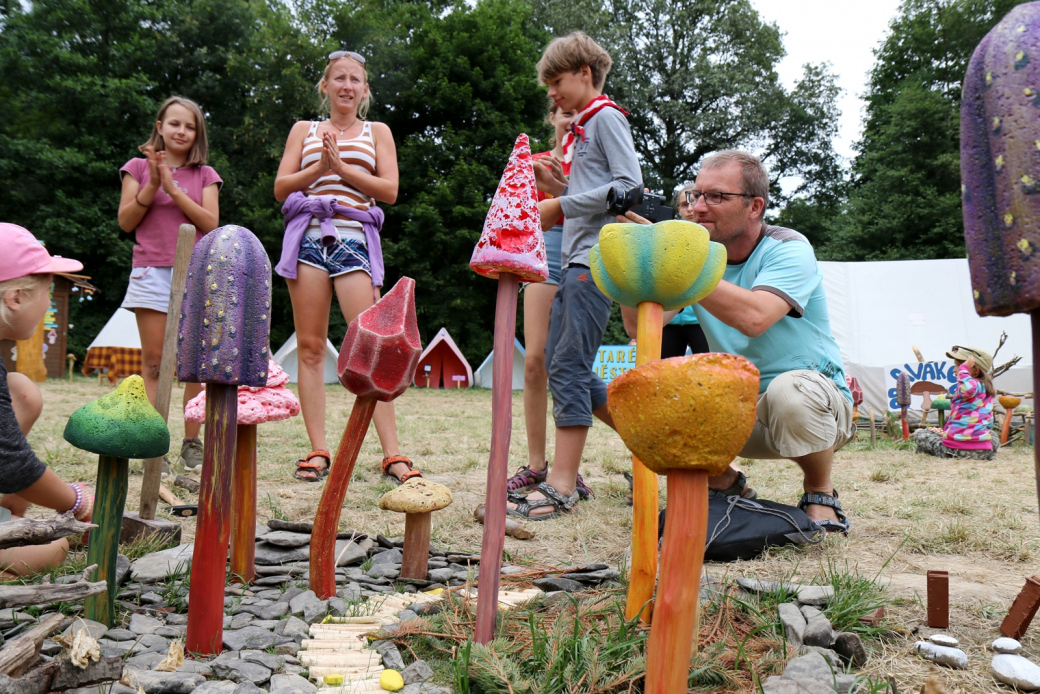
904 202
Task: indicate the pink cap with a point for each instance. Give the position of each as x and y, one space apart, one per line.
25 255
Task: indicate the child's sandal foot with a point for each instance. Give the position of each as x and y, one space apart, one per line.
309 470
391 460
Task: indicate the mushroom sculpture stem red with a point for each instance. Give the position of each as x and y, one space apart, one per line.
417 499
714 396
376 363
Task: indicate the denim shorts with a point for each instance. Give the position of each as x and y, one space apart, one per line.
347 255
554 253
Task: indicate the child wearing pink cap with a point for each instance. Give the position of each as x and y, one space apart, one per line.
26 270
171 186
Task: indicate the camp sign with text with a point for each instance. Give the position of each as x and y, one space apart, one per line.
614 360
939 372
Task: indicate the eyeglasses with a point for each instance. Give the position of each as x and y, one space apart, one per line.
336 55
712 197
969 350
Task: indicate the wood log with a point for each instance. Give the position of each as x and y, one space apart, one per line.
44 594
168 364
169 497
187 483
36 681
18 533
19 654
71 677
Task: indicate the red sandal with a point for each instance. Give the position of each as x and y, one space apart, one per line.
390 460
306 466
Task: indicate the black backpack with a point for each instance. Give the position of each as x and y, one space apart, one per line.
741 528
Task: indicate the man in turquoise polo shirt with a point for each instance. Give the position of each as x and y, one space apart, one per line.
770 307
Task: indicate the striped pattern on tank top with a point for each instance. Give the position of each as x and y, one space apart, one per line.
359 151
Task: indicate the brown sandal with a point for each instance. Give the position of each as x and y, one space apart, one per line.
390 460
313 471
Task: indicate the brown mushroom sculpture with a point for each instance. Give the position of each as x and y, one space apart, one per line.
417 498
1009 403
927 389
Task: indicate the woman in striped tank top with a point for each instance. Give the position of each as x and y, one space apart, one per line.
331 175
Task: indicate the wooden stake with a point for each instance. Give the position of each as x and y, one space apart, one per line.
212 534
873 428
643 574
938 585
674 632
498 463
416 553
168 365
326 520
243 506
112 481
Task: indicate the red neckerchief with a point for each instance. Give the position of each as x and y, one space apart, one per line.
576 130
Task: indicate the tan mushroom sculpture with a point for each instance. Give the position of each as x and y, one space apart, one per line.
417 498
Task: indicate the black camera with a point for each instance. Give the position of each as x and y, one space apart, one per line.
646 205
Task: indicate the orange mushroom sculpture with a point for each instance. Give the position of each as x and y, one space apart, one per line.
687 418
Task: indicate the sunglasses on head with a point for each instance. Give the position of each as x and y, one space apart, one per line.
969 350
336 55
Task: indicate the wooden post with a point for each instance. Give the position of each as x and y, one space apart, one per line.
326 520
112 477
243 506
1023 609
212 534
168 365
873 428
674 633
494 539
643 574
938 584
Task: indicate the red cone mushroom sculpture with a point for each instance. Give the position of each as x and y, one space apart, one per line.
511 248
376 364
270 403
223 336
687 418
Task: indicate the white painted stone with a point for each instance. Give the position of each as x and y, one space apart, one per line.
944 640
943 655
1006 645
1016 671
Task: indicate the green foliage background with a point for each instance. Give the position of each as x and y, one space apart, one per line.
80 82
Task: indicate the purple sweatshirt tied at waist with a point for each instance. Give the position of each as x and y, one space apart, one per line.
298 210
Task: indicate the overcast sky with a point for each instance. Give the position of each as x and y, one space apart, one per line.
842 33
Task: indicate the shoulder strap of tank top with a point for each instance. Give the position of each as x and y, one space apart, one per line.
313 129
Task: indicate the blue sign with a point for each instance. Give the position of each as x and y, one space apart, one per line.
614 360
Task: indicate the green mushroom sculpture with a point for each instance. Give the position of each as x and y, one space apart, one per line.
656 267
117 426
942 406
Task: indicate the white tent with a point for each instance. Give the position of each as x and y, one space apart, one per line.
483 375
286 357
880 310
119 331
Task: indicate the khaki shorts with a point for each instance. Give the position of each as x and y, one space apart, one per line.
801 412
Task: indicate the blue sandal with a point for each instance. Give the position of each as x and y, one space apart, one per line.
831 500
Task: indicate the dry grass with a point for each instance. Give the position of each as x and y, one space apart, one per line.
977 520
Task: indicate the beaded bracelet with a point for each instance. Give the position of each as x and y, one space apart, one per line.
84 501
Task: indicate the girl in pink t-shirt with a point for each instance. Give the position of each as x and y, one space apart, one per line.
171 186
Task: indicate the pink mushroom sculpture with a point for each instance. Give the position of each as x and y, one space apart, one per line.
268 403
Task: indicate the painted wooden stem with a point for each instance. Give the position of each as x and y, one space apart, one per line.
498 463
1035 317
906 427
326 520
243 506
1005 429
167 366
416 545
112 477
212 534
674 632
643 574
942 419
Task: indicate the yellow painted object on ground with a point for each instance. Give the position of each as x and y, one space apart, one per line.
332 680
391 680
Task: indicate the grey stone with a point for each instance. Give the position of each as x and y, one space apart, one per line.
143 624
391 656
122 569
385 570
269 661
794 623
812 667
593 577
784 685
291 684
150 598
95 630
943 655
241 671
271 555
351 592
844 683
171 632
286 538
249 637
272 611
441 575
278 569
216 686
261 530
348 553
850 647
197 667
168 682
1006 645
272 580
390 556
50 648
509 569
292 627
290 593
177 619
148 643
815 595
807 595
157 566
1016 671
818 632
300 600
248 688
550 583
809 612
419 671
240 620
145 661
944 640
290 648
833 658
292 526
